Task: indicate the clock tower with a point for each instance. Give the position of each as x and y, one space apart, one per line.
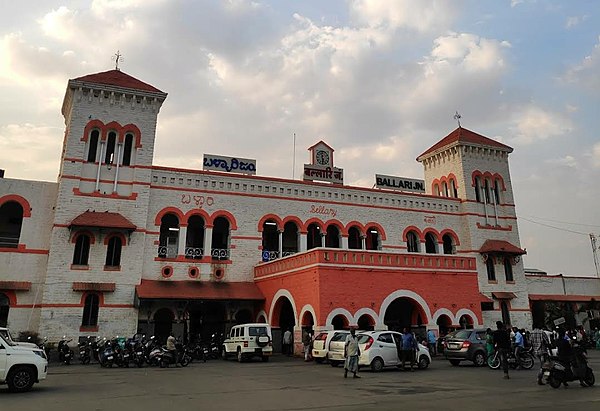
321 165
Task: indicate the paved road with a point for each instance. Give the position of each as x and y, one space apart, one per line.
291 384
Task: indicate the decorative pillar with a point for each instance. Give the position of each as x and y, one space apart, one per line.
363 242
303 242
181 240
280 246
345 242
208 241
117 170
99 165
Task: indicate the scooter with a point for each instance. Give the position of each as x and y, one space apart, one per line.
65 354
557 372
179 356
85 351
106 353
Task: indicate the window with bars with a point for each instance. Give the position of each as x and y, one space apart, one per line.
82 250
113 252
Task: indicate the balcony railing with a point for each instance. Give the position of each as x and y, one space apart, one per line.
220 253
167 251
194 253
267 255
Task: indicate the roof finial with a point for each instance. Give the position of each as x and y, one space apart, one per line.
457 117
116 58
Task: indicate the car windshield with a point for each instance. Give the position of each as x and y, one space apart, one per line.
339 337
255 331
7 337
363 338
462 334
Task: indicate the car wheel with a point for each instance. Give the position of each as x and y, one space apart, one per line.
20 379
423 362
333 363
554 381
479 359
223 354
455 362
319 360
240 356
377 364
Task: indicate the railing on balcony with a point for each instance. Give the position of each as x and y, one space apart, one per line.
194 253
9 242
268 255
220 253
167 251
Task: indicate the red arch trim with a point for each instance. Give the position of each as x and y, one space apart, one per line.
113 126
268 217
98 293
310 221
227 215
452 234
293 220
78 233
90 126
356 224
379 228
415 229
133 129
338 224
12 297
168 210
199 212
435 233
115 234
17 199
452 177
487 175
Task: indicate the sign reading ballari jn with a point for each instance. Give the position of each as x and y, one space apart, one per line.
399 183
229 164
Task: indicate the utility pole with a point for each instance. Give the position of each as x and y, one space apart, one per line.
595 250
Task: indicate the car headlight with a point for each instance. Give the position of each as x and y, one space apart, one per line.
40 353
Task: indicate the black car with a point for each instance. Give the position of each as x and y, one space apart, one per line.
466 345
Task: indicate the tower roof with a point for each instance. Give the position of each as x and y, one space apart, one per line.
117 78
464 136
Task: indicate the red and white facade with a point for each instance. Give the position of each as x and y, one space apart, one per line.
119 245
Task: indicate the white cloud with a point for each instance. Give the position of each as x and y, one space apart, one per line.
574 21
533 124
566 161
596 155
58 23
587 72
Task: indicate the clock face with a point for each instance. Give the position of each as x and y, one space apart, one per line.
322 157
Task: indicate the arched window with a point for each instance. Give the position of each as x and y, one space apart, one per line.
486 191
169 236
431 245
109 158
508 269
313 237
332 239
373 240
290 238
412 242
93 146
445 189
497 192
449 246
453 188
90 310
4 307
354 240
11 219
113 252
270 240
194 241
127 149
491 270
82 250
220 239
478 189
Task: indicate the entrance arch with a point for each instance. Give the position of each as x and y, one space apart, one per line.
283 317
163 323
366 323
444 324
465 321
412 309
340 322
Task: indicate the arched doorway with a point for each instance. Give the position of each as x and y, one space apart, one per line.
403 313
354 240
313 236
243 317
194 242
163 324
290 239
307 322
207 318
366 323
340 322
444 323
373 240
332 239
4 308
283 319
466 321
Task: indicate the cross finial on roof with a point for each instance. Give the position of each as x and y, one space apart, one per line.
117 57
457 117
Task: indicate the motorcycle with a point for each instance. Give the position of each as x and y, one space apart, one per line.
106 353
136 348
152 351
557 372
526 359
179 356
85 350
65 354
215 347
198 351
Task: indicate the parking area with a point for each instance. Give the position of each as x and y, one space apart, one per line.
291 384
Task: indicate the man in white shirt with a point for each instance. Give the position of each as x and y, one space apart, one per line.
287 342
351 352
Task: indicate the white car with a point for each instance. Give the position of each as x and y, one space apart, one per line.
20 365
249 340
335 353
378 349
321 343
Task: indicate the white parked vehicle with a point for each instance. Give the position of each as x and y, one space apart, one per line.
320 350
378 349
20 365
335 353
249 340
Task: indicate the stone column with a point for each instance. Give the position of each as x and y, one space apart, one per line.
280 249
208 241
303 242
345 242
181 240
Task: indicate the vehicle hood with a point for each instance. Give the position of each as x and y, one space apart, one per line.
26 344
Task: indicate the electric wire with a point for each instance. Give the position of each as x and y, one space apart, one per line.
556 228
561 222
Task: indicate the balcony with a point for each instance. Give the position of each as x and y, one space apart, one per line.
169 252
368 260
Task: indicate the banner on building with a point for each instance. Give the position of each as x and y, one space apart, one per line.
229 164
399 183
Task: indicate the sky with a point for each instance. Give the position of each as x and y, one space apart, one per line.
379 81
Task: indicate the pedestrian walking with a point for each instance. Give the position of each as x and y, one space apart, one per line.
540 344
432 342
351 352
287 343
307 343
409 348
502 344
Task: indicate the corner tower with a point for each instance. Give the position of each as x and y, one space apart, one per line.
474 169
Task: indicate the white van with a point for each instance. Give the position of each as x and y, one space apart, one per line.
249 340
20 365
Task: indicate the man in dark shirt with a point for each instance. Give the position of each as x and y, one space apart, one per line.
502 344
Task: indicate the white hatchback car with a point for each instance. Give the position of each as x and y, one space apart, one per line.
378 349
249 340
321 343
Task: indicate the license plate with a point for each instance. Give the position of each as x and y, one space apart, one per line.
109 358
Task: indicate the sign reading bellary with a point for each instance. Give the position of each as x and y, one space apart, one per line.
229 164
399 183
